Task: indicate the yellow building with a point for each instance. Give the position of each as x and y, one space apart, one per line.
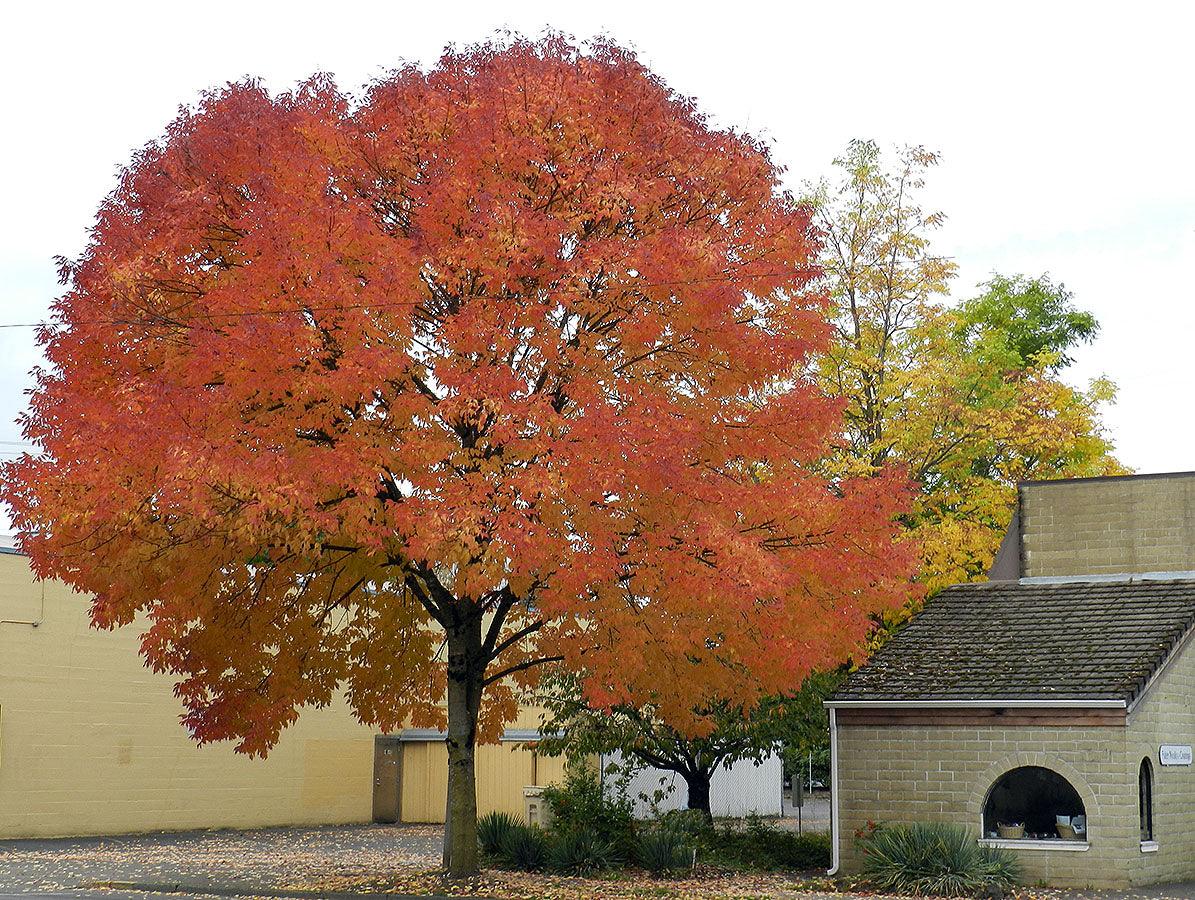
90 743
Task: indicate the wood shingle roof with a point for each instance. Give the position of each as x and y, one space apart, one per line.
1076 640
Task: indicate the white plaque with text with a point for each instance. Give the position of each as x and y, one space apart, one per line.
1175 755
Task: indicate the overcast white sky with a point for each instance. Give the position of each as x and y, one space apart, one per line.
1066 130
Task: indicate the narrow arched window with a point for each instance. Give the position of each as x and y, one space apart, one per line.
1145 799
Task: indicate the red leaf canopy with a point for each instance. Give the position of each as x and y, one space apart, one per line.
520 336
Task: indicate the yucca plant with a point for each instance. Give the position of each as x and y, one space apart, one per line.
1003 867
524 847
580 851
935 858
663 851
492 829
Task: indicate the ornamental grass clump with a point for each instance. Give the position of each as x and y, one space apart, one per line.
581 851
933 858
663 851
524 847
492 829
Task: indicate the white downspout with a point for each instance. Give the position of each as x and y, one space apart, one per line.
834 860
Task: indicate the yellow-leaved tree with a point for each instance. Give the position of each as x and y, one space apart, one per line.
968 396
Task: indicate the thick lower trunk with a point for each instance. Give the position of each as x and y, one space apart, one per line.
464 701
698 783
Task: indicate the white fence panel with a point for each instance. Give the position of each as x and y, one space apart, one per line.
745 788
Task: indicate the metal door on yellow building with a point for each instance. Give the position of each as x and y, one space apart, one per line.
387 779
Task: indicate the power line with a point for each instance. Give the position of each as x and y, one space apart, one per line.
353 306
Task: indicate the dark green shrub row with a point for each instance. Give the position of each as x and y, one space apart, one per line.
583 851
664 851
761 845
594 829
524 847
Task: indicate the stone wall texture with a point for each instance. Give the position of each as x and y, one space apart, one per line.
912 773
1142 523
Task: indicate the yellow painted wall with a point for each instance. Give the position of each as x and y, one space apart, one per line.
90 741
503 770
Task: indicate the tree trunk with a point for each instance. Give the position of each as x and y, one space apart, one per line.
465 674
698 782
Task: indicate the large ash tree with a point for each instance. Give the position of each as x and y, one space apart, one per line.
505 364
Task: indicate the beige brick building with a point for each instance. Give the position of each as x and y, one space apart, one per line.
1052 712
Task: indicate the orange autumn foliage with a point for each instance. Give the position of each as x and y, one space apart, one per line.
505 363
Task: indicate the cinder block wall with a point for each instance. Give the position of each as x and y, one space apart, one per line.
1166 715
1143 523
905 774
914 773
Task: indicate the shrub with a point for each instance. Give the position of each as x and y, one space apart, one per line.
663 850
783 849
580 851
524 847
688 823
935 858
761 845
810 850
580 804
492 829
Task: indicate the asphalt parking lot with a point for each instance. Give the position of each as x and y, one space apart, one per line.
263 862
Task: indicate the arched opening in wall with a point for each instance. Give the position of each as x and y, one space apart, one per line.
1145 799
1034 803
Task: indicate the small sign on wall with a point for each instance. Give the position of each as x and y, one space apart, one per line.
1175 755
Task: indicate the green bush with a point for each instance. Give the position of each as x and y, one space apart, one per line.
580 804
663 850
524 847
688 823
492 829
779 848
761 845
935 858
581 851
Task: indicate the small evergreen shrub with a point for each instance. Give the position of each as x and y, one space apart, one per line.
664 850
581 851
492 829
524 847
581 804
935 858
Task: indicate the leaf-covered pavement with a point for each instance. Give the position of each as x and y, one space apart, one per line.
376 859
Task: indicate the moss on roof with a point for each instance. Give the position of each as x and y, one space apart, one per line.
1093 640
